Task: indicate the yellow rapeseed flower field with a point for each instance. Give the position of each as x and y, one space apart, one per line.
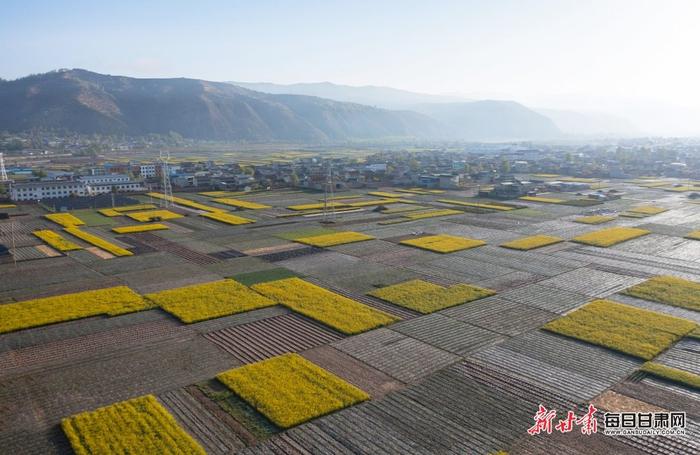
610 236
109 212
240 203
139 228
532 242
624 328
669 290
209 300
8 206
137 426
695 235
647 210
64 219
315 206
290 390
60 308
341 313
594 219
545 200
133 208
227 218
384 194
98 242
337 238
153 215
56 240
186 203
372 203
672 374
426 297
432 214
443 243
480 205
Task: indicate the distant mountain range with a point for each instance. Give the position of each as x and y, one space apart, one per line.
87 102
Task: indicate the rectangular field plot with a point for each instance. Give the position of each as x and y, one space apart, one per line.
334 310
201 421
372 381
669 290
49 310
337 238
530 243
139 425
588 281
525 261
443 243
448 334
210 300
270 337
594 219
397 355
501 316
290 390
627 329
684 355
610 236
546 298
426 297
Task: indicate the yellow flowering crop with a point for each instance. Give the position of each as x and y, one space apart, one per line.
669 290
594 219
64 219
426 297
546 200
137 426
334 310
610 236
532 242
372 203
153 215
624 328
290 390
337 238
56 240
109 212
185 202
8 206
209 300
139 228
315 206
241 204
647 210
475 204
60 308
227 218
432 214
98 242
672 374
384 194
695 235
133 208
443 243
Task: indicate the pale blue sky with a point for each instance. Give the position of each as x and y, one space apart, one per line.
547 52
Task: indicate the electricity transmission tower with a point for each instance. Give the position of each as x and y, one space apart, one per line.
3 171
328 198
165 172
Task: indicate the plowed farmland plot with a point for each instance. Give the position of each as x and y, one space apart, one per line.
546 298
525 261
406 359
271 337
501 316
594 283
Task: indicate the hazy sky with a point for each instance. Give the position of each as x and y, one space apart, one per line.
586 54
